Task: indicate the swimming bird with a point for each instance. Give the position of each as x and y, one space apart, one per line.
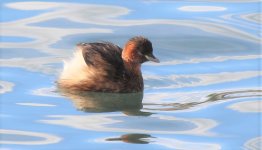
105 67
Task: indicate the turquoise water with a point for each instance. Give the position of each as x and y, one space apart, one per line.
204 95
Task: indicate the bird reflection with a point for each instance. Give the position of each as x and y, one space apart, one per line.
133 138
129 103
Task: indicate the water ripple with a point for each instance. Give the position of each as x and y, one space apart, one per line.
197 101
253 144
247 106
27 138
6 86
159 124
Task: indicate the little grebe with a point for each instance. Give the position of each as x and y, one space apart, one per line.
105 67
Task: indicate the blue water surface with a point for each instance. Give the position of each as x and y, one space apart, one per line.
204 95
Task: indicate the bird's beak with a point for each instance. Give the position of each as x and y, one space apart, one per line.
151 57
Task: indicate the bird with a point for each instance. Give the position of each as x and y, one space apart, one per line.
105 67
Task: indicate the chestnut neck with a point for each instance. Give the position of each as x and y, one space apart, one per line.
133 76
133 68
130 59
134 79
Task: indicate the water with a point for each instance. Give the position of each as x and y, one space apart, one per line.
204 95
